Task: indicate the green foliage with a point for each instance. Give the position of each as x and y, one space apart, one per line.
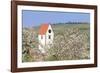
51 58
26 58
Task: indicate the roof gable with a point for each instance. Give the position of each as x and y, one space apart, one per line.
43 29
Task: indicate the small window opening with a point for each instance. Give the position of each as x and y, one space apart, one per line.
49 31
49 37
41 37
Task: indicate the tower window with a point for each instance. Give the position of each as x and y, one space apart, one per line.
41 37
49 37
49 31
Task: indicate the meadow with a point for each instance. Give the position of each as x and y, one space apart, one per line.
71 42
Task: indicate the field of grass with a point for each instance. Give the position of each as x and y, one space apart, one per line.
71 42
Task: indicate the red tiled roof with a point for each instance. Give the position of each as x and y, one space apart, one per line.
43 29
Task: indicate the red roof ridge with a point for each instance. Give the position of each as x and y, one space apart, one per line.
43 29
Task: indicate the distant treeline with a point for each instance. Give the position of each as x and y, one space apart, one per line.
72 23
58 24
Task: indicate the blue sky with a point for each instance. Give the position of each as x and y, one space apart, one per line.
35 18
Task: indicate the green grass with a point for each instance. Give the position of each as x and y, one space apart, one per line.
60 28
80 26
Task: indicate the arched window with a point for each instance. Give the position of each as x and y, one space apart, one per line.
49 31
